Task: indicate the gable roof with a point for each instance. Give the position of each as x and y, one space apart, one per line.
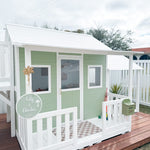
119 62
27 35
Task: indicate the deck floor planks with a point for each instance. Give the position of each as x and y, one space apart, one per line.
140 135
6 142
118 139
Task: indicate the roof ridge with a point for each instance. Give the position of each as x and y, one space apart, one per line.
53 30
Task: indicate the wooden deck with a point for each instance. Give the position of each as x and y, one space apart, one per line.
140 135
6 142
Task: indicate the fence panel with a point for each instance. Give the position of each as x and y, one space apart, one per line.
121 77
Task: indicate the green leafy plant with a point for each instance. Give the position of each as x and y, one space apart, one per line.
116 89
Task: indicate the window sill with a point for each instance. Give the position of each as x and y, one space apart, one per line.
42 92
95 87
73 89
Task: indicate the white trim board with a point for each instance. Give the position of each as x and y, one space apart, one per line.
77 51
49 78
59 90
101 74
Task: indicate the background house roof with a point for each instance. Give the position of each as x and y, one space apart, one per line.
27 35
2 35
118 62
145 50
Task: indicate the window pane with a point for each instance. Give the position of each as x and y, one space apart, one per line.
69 74
94 76
40 79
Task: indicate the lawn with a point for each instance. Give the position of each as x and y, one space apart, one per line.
144 109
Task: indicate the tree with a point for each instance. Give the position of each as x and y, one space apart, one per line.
113 38
75 31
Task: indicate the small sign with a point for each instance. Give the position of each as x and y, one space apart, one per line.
29 105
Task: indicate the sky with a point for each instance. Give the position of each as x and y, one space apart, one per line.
125 15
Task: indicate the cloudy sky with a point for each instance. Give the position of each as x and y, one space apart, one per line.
125 15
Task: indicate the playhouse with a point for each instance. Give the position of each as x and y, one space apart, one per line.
70 76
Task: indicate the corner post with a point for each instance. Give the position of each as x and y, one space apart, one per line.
11 48
107 77
130 76
130 85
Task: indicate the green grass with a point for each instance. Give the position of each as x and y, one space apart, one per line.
144 109
144 147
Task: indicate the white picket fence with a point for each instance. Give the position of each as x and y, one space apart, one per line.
51 137
121 77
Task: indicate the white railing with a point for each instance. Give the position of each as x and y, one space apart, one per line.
113 121
113 96
52 136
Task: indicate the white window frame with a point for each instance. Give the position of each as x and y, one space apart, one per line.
80 73
49 78
101 68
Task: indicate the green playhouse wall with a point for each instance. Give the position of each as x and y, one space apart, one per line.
92 97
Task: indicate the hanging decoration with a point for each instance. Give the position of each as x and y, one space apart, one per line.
27 71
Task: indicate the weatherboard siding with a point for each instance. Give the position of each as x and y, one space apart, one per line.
49 100
92 97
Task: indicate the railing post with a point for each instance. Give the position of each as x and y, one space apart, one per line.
58 127
103 116
67 131
130 82
75 126
28 134
138 91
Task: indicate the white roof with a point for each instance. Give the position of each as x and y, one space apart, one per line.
27 35
118 62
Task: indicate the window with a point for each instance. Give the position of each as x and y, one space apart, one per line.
69 74
94 76
41 79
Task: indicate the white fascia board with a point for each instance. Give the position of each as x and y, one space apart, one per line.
76 50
